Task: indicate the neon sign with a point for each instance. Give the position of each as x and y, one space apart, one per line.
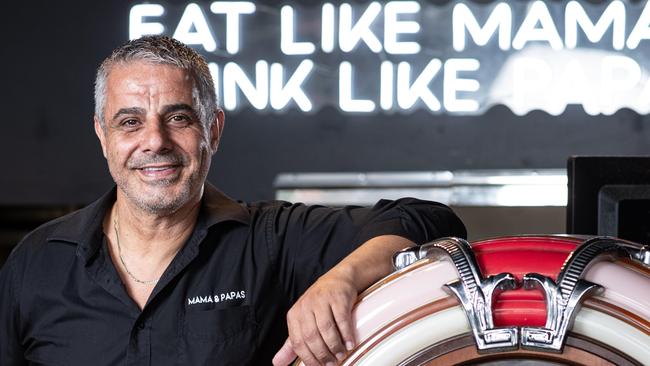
397 56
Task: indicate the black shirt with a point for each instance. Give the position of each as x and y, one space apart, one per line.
222 300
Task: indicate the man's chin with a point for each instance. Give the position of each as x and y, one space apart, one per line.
158 199
161 183
162 205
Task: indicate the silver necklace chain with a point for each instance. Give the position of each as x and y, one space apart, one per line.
119 254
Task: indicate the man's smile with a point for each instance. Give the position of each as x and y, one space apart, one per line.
159 171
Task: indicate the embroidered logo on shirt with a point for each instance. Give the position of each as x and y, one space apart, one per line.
222 297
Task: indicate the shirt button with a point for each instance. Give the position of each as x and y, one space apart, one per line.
140 325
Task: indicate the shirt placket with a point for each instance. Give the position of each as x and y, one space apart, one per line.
139 349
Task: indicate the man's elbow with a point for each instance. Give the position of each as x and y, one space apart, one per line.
432 220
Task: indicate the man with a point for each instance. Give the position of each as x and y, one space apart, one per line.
166 270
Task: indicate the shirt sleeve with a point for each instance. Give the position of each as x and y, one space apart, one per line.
309 240
11 352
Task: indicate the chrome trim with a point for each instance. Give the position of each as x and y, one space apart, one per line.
475 293
643 256
405 258
410 255
563 299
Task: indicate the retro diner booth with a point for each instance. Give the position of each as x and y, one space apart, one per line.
528 118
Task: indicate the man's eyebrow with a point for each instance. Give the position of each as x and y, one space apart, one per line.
129 111
178 107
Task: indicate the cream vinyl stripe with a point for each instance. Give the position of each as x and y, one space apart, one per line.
452 322
408 341
613 333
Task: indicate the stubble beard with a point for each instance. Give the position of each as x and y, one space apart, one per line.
159 201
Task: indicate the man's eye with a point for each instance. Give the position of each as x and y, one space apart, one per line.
180 119
130 123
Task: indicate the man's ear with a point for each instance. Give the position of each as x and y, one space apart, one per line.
99 131
216 129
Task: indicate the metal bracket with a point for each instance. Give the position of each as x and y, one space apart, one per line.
563 299
475 293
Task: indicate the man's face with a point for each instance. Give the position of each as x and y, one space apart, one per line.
158 151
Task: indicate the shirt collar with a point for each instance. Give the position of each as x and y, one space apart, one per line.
84 227
217 207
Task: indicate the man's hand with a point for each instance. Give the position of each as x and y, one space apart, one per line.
320 322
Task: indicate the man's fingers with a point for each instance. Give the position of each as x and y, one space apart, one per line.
304 353
330 333
298 343
343 317
315 342
285 355
320 322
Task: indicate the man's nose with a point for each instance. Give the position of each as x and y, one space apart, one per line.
155 137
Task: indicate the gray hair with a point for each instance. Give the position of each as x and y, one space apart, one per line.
167 51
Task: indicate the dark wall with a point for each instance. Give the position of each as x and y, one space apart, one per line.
51 156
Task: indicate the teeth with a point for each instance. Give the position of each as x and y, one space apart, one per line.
155 169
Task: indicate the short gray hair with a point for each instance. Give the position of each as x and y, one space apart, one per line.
167 51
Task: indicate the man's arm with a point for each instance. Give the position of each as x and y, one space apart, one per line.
356 243
320 322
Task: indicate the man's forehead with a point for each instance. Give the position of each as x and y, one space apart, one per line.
147 78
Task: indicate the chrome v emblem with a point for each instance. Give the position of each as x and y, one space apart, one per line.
475 293
563 299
